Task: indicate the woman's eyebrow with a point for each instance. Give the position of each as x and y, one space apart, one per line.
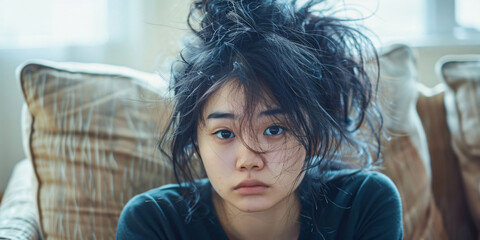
266 113
217 115
271 112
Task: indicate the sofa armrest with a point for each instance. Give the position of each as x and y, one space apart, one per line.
18 210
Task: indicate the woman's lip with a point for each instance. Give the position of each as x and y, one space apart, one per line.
251 184
251 187
251 190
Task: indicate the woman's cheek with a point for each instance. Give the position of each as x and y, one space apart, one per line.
219 156
291 160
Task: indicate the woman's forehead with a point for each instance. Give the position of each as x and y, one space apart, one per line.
231 98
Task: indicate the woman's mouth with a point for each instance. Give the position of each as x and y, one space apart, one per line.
251 187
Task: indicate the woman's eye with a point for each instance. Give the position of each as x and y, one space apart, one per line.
273 130
224 134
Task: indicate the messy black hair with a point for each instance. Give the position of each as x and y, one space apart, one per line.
312 65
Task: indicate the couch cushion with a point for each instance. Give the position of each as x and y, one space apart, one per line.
92 142
405 154
18 210
447 183
462 103
26 129
398 96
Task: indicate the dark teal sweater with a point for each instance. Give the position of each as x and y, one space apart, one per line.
362 206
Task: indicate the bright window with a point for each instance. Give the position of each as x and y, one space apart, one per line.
52 23
416 22
466 13
390 20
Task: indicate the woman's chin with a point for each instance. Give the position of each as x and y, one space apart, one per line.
253 205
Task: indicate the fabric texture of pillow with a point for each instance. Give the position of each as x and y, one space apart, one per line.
462 103
93 143
405 154
26 128
18 211
447 183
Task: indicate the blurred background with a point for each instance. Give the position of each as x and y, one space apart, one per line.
147 35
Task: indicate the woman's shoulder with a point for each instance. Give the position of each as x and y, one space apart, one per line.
361 204
157 214
366 188
367 181
166 195
376 207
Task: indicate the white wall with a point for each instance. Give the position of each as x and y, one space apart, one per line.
145 35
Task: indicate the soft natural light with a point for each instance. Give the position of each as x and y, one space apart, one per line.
466 13
390 20
47 23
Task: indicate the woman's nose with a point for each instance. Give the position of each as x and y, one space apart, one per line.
248 159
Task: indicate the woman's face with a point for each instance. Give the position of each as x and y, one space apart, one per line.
255 164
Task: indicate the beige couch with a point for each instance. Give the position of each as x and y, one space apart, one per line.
90 135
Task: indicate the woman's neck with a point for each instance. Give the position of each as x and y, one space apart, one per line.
279 222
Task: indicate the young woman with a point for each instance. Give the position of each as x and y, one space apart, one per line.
274 100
